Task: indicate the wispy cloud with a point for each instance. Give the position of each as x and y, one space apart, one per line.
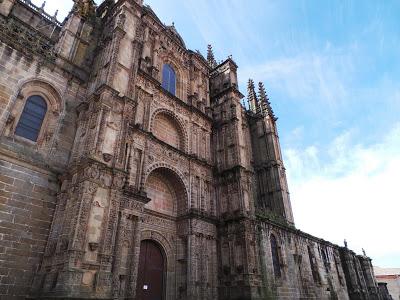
223 22
349 194
307 76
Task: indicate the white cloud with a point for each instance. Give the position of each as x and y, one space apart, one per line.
306 76
350 194
295 136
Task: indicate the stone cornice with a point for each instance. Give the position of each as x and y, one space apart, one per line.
231 89
107 88
13 157
234 169
267 165
24 38
197 214
51 19
30 42
87 161
228 60
297 232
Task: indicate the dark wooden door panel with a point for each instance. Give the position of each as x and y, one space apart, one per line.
150 283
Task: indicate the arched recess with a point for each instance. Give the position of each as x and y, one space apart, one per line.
45 90
167 127
276 256
167 191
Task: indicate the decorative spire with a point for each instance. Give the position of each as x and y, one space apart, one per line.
43 5
210 57
252 96
265 104
55 15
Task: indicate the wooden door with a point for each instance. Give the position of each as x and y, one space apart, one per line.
150 283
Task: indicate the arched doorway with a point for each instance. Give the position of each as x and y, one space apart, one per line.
151 272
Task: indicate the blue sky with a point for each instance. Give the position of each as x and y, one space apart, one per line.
332 72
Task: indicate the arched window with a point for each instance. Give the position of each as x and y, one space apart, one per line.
32 118
275 256
169 79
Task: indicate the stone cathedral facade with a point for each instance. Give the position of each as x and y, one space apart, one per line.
130 169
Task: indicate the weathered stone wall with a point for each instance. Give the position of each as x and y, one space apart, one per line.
20 78
28 201
309 268
29 170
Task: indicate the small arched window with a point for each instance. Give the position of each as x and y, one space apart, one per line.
275 256
169 79
32 118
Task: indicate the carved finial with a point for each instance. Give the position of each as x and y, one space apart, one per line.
363 251
345 243
265 105
210 57
43 5
263 98
230 57
55 15
85 8
252 96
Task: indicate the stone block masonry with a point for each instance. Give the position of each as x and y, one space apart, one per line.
27 203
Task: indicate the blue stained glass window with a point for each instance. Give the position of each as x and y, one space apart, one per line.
169 79
275 256
32 118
